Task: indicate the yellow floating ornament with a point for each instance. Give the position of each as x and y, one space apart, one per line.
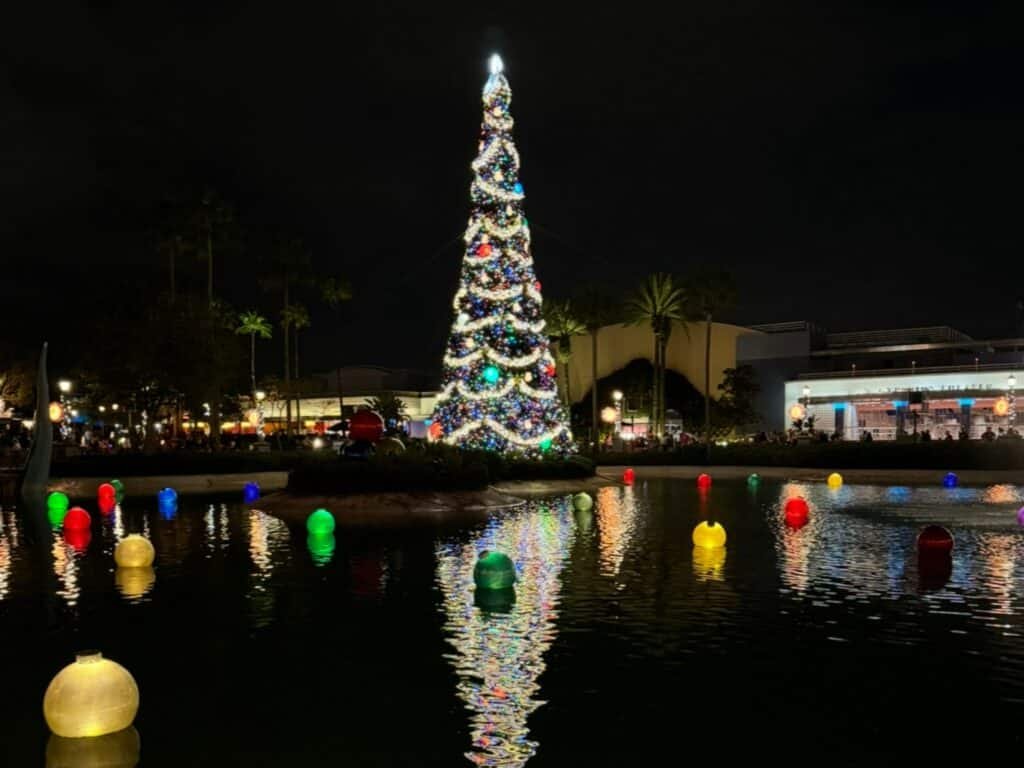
91 697
709 536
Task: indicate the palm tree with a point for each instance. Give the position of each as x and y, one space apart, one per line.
711 291
659 301
390 407
297 318
596 310
561 324
335 292
288 266
253 324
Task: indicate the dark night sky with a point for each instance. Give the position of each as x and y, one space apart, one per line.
855 166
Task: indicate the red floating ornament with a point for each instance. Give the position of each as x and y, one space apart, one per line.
78 538
483 250
931 539
106 491
77 519
629 476
106 504
703 481
797 512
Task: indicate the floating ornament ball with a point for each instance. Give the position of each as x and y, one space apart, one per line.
56 516
250 492
78 538
629 476
835 480
582 501
166 496
494 570
709 535
106 504
753 479
91 697
77 519
320 523
134 582
1020 516
134 551
106 491
796 512
933 539
703 481
57 500
118 488
115 750
950 480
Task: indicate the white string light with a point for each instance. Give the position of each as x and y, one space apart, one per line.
508 435
494 191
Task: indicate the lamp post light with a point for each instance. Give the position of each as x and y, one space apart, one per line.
617 399
806 402
65 421
1011 412
260 397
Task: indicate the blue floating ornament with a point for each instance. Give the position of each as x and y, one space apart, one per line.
167 501
950 480
251 492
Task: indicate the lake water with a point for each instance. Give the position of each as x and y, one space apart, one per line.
255 647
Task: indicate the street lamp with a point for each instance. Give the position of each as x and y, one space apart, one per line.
260 397
103 409
617 398
114 407
64 386
1011 412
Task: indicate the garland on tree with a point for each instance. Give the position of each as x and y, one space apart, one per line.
498 385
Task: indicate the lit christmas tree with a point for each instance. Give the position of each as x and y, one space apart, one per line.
498 386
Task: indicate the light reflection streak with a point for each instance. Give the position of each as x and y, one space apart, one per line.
499 656
66 570
616 526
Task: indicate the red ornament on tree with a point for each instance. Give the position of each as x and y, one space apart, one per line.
436 430
366 425
536 286
550 369
483 250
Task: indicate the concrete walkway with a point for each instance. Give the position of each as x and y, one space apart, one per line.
85 487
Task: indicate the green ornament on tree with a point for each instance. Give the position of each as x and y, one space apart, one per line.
492 374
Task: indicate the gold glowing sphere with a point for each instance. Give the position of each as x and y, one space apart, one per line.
608 415
709 536
1002 407
134 551
91 697
134 582
835 480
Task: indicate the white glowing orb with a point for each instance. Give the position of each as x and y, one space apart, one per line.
496 64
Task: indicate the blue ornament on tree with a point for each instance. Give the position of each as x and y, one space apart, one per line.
492 374
518 188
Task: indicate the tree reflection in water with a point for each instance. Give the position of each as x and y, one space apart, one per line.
500 652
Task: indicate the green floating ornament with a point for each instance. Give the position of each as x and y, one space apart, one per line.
320 523
495 600
753 480
494 570
582 502
118 488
